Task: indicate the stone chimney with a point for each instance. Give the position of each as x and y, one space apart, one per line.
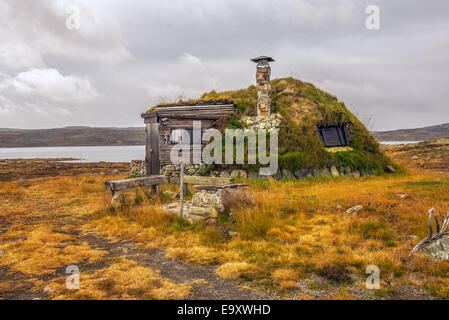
263 86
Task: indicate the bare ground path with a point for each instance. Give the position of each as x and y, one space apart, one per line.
205 283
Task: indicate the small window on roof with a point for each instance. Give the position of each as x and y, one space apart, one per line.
334 136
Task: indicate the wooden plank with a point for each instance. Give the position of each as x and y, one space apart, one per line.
181 191
207 180
134 183
153 145
148 148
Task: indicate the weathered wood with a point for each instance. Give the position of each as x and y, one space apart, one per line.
211 181
181 191
153 148
218 187
118 185
192 112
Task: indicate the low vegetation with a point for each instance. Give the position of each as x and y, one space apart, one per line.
304 107
297 239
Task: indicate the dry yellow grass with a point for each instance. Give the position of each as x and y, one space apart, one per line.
123 279
295 230
233 270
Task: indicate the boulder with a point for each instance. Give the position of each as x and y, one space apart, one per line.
342 172
253 175
277 175
235 174
300 174
170 194
239 174
243 174
204 199
225 174
325 172
286 174
356 174
438 249
316 172
334 172
390 169
354 209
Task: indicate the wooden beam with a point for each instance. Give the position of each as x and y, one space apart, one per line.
207 180
118 185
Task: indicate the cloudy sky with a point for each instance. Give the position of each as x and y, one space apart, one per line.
129 55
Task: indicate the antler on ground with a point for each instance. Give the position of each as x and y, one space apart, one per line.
433 237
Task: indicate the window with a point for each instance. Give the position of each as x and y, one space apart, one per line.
184 136
333 136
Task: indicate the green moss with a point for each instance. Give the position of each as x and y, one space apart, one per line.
304 108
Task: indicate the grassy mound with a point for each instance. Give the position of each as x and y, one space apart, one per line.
305 107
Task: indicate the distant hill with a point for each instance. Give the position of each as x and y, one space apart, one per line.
72 136
419 134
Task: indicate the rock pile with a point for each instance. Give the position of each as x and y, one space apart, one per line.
208 201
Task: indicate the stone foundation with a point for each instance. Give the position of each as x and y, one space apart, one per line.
138 168
208 201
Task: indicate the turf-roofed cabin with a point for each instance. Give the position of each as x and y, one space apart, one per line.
165 126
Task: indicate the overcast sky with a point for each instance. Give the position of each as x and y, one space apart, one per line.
127 56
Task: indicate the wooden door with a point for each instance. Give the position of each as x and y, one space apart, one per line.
152 149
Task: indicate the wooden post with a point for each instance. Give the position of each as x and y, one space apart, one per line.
181 191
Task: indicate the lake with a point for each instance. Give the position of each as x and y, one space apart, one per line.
94 154
87 154
398 142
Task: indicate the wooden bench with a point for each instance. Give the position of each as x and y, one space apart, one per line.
147 181
205 181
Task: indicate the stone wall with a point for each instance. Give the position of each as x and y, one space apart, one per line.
138 168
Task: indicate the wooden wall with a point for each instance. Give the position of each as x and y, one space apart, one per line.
162 120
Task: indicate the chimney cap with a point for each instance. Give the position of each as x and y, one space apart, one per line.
262 58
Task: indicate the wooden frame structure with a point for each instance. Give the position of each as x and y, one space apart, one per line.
163 119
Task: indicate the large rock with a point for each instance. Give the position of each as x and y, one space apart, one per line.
253 175
300 174
191 212
239 174
325 172
316 172
334 172
390 169
354 209
225 174
278 175
356 174
438 249
286 174
204 199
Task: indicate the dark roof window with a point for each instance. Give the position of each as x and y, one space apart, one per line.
334 136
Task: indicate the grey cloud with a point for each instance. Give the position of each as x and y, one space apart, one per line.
136 54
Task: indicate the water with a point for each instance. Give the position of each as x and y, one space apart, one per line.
398 142
96 154
86 154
